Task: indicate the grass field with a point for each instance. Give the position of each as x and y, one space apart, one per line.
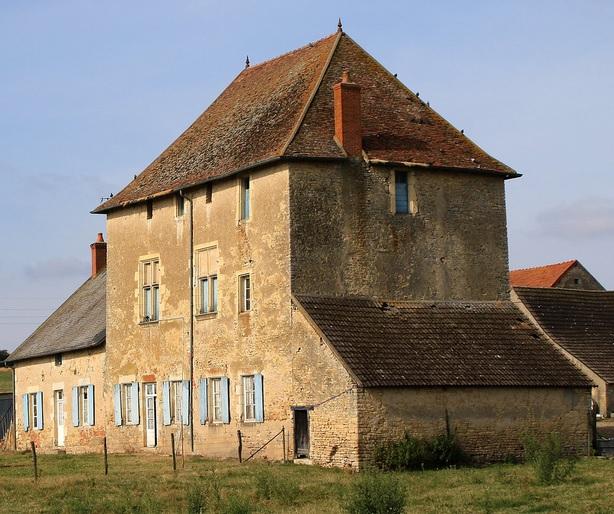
147 484
6 380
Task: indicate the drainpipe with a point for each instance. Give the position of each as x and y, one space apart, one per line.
191 244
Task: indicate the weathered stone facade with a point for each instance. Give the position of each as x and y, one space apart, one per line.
43 375
346 240
489 423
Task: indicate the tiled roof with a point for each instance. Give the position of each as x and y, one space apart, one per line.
439 344
282 108
581 322
79 323
542 276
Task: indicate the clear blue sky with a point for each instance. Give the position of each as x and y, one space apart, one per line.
91 92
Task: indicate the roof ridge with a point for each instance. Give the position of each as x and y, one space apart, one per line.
285 54
313 93
570 261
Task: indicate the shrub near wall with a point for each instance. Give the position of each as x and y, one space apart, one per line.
412 454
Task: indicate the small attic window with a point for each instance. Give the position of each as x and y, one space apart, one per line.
401 192
180 205
149 206
209 192
58 359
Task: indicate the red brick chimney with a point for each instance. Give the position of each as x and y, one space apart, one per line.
99 255
348 127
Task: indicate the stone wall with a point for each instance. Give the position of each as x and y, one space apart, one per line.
346 240
578 277
489 422
42 374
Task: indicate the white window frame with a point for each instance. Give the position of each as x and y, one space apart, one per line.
208 303
34 408
150 291
126 392
215 386
175 400
249 398
245 292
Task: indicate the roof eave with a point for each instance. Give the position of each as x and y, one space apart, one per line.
101 209
422 165
93 344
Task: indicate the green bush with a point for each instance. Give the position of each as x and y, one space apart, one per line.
411 453
235 505
377 493
548 459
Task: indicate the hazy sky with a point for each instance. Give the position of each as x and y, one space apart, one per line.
91 92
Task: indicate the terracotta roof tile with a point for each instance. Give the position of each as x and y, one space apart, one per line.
439 344
282 108
580 321
542 276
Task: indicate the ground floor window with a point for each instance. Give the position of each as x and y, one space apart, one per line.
32 405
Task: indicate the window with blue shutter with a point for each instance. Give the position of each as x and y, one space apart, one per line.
202 400
74 402
224 394
185 402
26 412
117 403
39 414
135 404
166 403
259 397
90 405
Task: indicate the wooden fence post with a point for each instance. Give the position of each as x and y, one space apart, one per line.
34 461
240 446
173 447
283 438
106 459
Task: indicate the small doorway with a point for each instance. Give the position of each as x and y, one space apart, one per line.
151 418
59 417
301 433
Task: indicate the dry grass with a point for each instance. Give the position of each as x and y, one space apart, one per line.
147 484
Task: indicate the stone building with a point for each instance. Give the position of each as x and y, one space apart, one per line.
568 275
580 324
321 252
59 371
314 182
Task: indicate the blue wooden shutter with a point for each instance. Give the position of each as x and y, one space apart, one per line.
75 406
185 402
166 403
259 397
135 403
40 419
203 400
225 400
117 403
90 405
26 412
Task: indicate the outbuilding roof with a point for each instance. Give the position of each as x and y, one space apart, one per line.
79 323
541 276
388 344
580 321
283 109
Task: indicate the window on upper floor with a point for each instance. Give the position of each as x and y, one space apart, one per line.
207 260
150 290
245 199
245 293
179 205
401 192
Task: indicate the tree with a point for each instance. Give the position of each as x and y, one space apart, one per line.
3 355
